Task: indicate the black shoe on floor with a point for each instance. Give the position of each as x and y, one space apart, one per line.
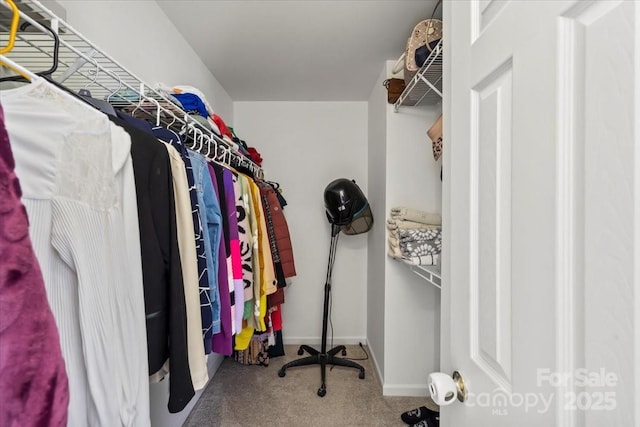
419 414
429 422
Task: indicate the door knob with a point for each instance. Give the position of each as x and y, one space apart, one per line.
444 388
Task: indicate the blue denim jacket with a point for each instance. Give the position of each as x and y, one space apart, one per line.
212 218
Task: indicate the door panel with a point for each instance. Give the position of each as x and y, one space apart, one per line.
598 47
541 212
491 225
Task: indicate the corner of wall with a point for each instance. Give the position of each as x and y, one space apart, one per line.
376 240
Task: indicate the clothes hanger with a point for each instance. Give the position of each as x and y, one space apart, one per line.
14 28
95 78
216 154
23 72
33 77
173 116
56 49
200 140
158 110
115 91
189 131
101 105
139 104
210 142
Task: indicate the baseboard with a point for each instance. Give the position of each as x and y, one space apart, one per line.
407 390
376 366
318 340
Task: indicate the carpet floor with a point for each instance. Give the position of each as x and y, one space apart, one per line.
240 395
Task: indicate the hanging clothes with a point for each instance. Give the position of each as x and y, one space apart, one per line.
212 230
222 342
283 245
234 261
268 275
77 188
34 384
254 316
188 258
245 239
165 307
208 297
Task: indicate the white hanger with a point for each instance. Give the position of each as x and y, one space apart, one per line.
141 94
18 69
158 110
174 118
95 77
115 91
209 142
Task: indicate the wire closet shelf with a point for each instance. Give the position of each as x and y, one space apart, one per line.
44 39
425 87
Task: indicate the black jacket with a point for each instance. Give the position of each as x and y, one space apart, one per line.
161 269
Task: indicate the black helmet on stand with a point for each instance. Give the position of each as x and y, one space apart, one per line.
347 207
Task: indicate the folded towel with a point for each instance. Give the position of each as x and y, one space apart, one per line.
412 249
408 214
422 260
420 235
394 224
393 253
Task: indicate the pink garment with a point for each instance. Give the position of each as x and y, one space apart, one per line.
236 257
34 390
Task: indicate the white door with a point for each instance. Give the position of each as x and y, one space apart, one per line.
541 298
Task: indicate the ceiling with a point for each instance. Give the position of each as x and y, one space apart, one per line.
306 50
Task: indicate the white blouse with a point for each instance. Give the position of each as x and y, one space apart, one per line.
76 173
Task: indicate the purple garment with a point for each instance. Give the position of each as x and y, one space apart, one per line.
222 342
34 390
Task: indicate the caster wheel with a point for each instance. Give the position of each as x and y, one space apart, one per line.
281 373
300 352
322 391
361 376
344 352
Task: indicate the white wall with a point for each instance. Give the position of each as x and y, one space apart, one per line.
378 235
140 36
412 327
306 145
407 347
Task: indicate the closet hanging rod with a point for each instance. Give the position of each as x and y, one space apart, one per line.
76 52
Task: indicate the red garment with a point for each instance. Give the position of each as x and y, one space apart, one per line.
275 299
224 130
255 156
33 384
276 319
283 246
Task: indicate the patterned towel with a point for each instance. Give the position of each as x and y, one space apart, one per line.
420 235
420 242
408 214
413 249
422 260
